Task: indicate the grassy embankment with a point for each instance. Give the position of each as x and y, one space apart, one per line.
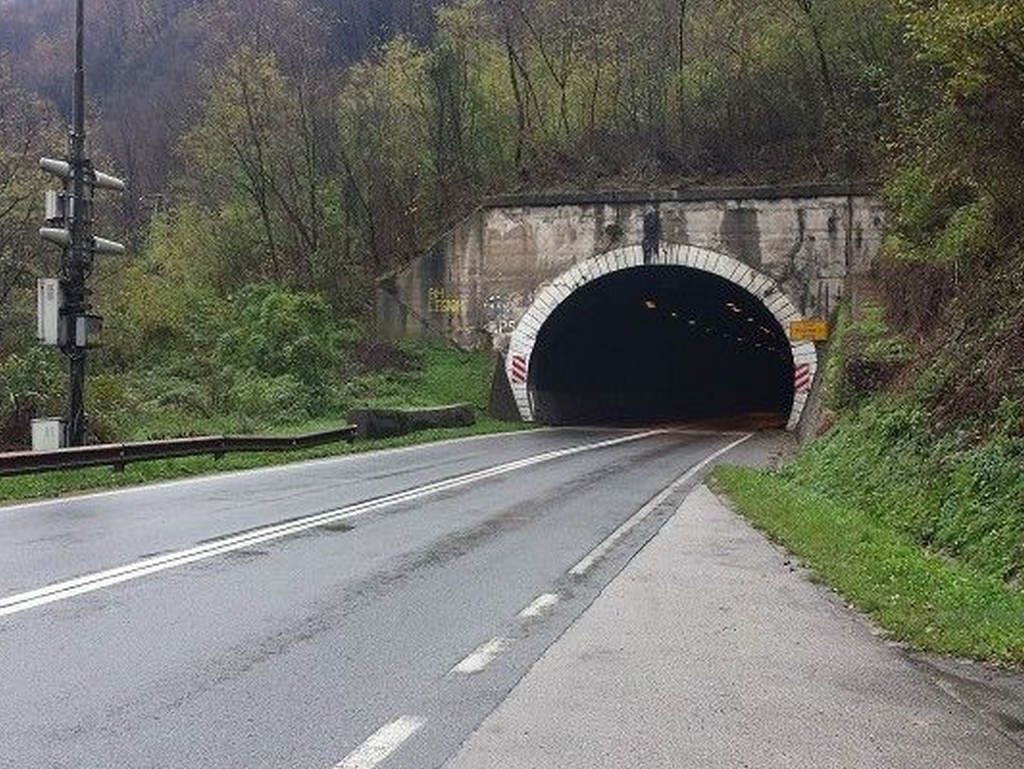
443 376
912 507
918 596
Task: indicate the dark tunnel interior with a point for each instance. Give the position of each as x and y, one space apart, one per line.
661 344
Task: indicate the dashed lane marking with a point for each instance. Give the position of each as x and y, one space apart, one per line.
481 657
382 743
541 604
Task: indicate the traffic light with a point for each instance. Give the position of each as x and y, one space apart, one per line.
106 182
62 169
104 246
59 237
60 206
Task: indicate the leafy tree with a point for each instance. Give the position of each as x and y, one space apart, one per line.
26 132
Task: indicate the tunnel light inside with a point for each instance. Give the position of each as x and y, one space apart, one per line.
650 304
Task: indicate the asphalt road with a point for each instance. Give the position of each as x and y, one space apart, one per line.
353 612
712 650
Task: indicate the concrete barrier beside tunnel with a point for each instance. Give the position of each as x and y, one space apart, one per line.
688 334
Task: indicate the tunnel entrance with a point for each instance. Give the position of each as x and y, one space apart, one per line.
660 343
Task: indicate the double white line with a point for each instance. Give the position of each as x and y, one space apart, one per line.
98 580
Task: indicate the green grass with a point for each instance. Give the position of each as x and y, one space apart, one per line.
445 376
920 598
959 493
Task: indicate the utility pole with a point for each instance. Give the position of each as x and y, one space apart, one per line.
71 212
79 265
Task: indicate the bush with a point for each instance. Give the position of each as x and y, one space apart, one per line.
275 334
33 384
265 359
269 400
36 376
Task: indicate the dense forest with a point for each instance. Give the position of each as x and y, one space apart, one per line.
283 153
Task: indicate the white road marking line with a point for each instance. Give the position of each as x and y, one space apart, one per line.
97 580
229 474
382 743
481 657
540 604
609 542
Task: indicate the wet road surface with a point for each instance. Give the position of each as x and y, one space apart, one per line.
353 612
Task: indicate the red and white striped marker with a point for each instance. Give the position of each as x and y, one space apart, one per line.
518 369
802 378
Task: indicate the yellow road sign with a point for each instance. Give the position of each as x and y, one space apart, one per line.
809 330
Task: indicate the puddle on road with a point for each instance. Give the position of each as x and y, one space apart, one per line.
995 693
244 555
337 528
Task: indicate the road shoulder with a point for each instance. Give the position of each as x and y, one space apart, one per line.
711 650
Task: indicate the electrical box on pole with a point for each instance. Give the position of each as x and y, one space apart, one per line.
86 329
54 205
49 301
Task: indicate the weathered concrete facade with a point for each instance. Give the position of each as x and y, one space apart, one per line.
497 277
478 283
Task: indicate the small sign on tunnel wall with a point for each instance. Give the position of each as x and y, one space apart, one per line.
809 330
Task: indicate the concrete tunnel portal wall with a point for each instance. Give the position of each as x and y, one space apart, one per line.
523 352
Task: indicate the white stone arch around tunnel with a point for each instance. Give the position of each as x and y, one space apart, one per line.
553 293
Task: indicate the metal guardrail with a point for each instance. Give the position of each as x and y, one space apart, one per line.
118 455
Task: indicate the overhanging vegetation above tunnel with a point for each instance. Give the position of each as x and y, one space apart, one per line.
687 333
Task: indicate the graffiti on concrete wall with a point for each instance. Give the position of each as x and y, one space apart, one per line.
501 313
441 302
